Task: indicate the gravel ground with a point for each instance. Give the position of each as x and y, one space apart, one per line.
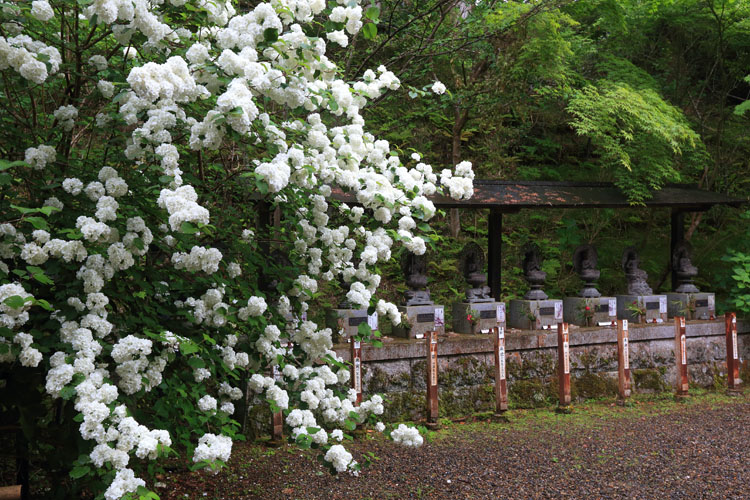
653 449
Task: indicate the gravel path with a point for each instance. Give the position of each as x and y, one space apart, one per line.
653 449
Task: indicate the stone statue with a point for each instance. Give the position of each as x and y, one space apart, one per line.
532 270
684 268
414 268
584 264
637 284
471 265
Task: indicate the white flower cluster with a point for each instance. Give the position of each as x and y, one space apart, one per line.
212 447
199 259
182 207
40 156
23 55
408 436
339 458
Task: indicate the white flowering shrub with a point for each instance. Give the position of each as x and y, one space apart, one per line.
142 291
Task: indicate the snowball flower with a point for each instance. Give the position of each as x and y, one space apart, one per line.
408 436
438 88
207 403
41 10
339 457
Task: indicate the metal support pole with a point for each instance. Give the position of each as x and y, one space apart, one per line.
563 363
623 359
733 355
677 235
495 253
432 377
680 354
501 383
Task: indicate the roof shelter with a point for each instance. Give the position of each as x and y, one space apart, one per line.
501 197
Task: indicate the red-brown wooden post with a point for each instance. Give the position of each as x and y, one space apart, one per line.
356 378
501 383
680 354
563 363
432 377
733 355
277 419
623 358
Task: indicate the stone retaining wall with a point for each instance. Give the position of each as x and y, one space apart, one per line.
466 384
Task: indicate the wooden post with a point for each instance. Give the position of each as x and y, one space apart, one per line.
733 355
563 363
680 354
495 252
432 377
623 358
277 419
501 383
356 378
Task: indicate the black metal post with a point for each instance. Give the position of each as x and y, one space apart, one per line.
678 234
494 251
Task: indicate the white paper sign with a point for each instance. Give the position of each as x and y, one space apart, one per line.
501 359
433 362
625 325
625 353
565 328
439 317
734 345
682 322
357 375
558 310
734 320
683 349
566 360
501 332
612 307
357 344
500 313
662 304
372 321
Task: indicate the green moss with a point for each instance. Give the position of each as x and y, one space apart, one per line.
592 386
650 379
533 393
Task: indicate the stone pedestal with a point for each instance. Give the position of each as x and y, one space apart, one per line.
655 305
422 319
604 310
491 314
703 303
534 314
345 322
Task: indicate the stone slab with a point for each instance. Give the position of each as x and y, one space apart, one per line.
703 302
490 314
604 310
656 307
423 319
345 322
547 313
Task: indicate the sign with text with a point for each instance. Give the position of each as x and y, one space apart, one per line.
680 354
501 383
623 359
733 358
563 363
432 376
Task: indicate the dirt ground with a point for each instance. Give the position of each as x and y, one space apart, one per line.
653 448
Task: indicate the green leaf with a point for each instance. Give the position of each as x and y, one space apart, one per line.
370 31
188 228
373 13
270 35
188 347
14 302
37 222
80 471
5 164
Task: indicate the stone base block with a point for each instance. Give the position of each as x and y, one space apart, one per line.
422 319
704 305
655 305
534 314
345 322
490 314
603 310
